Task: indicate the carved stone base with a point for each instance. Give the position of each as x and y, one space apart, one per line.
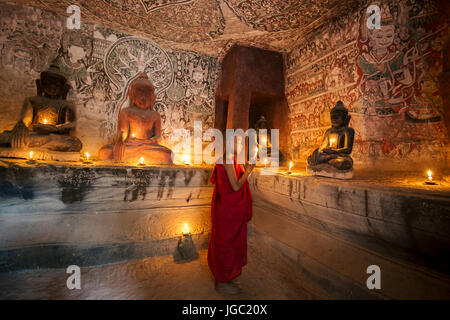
39 154
326 170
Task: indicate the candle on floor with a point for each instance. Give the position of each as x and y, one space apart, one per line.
45 121
141 161
290 167
31 155
186 229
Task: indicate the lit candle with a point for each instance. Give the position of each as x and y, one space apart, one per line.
430 179
253 159
332 141
133 135
290 167
265 162
186 229
87 155
45 121
31 155
187 159
141 161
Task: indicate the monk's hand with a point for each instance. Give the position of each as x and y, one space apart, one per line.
249 167
118 150
19 136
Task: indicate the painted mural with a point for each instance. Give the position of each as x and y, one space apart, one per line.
387 78
100 63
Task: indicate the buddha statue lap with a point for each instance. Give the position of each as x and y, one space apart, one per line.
46 120
332 158
139 128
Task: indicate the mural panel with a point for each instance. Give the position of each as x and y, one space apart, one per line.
387 78
100 63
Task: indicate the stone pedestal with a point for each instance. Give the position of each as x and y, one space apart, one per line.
325 170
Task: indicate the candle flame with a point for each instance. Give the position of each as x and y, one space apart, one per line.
142 160
133 135
290 166
186 228
45 121
265 162
31 154
429 175
187 158
87 155
332 140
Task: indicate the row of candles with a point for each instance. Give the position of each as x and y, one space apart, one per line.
187 162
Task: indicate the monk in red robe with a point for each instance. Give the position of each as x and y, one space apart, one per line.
231 209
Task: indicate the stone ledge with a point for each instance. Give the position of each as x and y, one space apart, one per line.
39 154
417 223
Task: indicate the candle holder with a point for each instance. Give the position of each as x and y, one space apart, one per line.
290 168
185 251
31 160
430 179
86 159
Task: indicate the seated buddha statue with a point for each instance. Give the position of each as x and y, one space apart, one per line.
47 119
138 129
337 143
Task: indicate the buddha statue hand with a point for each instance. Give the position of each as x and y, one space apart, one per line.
19 137
119 149
45 128
330 151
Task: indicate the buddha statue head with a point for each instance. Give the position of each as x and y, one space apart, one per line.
339 115
52 83
142 92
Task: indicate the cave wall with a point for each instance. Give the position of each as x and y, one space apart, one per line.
100 63
388 79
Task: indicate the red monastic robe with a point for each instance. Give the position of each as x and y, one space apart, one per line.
230 212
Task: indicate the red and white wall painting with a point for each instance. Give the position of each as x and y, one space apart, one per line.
387 77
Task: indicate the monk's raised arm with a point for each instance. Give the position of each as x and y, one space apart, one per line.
231 174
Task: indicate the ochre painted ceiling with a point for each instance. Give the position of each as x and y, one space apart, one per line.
208 26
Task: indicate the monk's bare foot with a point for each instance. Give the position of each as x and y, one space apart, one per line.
228 288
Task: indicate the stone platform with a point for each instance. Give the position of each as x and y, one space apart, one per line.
55 214
334 229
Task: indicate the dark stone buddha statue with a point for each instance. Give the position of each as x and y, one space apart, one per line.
337 144
46 119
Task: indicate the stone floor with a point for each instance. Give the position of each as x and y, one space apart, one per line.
158 278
